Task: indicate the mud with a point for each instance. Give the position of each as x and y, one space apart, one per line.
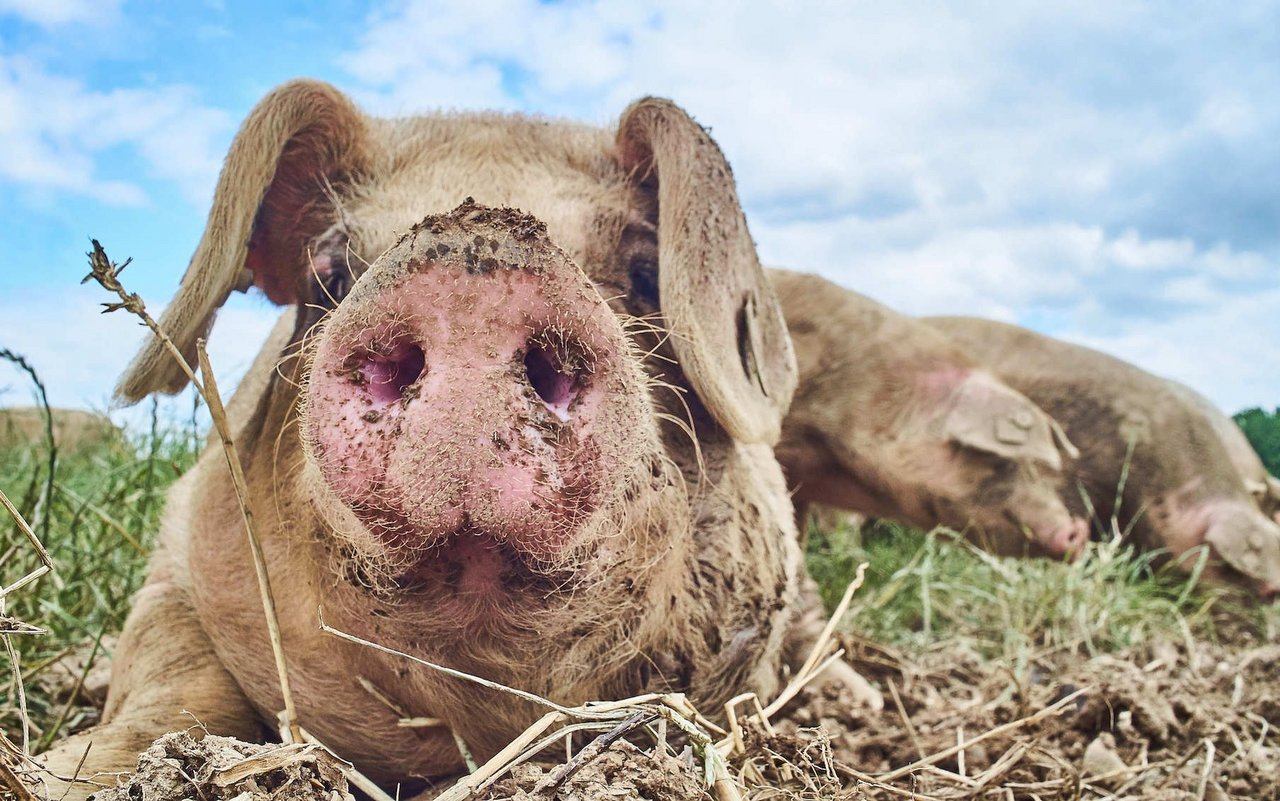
621 773
177 766
1188 720
1161 722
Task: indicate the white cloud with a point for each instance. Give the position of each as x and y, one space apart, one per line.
56 130
839 101
1227 351
54 13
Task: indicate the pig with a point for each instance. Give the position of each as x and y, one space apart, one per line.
1264 487
519 421
74 430
1151 459
892 419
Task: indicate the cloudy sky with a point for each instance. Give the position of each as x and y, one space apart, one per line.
1105 172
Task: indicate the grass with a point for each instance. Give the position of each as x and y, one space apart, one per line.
98 527
923 589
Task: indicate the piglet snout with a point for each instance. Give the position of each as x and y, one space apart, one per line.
474 382
1068 540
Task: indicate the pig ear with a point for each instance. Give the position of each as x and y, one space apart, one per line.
1250 543
299 146
726 324
991 417
1258 489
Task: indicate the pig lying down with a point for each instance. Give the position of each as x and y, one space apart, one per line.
534 446
1264 487
892 419
1185 474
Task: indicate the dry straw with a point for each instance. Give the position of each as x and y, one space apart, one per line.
107 274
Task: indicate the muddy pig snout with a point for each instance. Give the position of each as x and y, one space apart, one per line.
474 382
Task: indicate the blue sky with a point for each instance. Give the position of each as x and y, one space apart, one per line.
1105 172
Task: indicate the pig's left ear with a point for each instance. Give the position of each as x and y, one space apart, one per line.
726 324
1248 542
991 417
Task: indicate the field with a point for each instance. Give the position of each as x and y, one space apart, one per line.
1002 679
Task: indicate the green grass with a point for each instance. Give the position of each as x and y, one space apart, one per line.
923 589
98 528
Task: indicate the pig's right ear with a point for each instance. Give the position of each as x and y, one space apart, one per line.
299 146
991 417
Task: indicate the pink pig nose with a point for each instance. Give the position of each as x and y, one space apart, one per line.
1068 541
472 382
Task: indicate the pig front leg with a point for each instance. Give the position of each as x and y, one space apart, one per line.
804 633
165 677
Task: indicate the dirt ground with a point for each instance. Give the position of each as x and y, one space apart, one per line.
1185 720
1163 722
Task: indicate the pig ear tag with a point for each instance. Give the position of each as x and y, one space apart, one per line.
1257 489
1014 428
750 343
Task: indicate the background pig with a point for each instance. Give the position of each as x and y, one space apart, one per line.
1143 438
464 451
74 430
1264 487
893 420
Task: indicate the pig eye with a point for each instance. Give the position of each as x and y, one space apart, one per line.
644 279
332 288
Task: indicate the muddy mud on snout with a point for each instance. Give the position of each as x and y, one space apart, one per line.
474 406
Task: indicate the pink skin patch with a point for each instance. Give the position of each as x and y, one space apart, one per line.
939 385
448 405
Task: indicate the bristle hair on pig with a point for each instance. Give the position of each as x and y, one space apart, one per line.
517 419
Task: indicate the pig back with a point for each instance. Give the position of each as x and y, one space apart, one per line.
1135 431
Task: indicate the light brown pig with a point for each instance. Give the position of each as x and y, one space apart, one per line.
538 449
1264 487
1144 438
892 419
74 430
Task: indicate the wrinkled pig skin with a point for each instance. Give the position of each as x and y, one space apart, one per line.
893 420
534 446
1181 487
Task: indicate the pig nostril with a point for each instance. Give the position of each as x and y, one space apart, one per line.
387 376
547 377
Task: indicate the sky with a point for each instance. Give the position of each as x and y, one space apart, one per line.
1104 172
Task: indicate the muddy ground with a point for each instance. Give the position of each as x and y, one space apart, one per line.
1185 720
